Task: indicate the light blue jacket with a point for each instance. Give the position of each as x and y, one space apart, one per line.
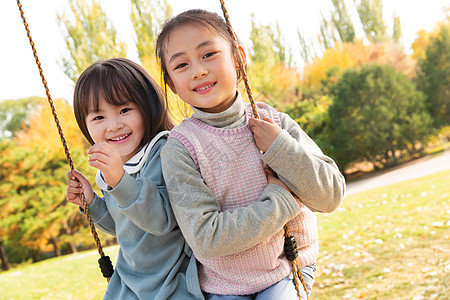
154 260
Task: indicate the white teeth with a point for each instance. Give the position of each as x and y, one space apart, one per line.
120 138
205 87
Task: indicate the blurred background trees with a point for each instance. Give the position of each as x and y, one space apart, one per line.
90 37
361 98
13 114
36 220
378 115
434 75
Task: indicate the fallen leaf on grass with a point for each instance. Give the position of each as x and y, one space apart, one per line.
437 224
431 274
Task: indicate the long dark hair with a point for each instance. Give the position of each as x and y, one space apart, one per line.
120 81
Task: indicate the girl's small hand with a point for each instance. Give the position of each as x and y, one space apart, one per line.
74 188
107 159
274 180
265 131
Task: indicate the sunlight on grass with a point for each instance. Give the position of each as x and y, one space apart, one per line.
387 243
75 276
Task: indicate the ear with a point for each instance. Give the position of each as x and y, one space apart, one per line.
243 57
171 85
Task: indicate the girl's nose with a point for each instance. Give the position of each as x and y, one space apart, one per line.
115 124
199 71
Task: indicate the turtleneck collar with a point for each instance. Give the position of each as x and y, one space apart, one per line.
232 117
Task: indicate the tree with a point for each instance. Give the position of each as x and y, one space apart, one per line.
41 127
312 115
306 49
35 218
347 55
3 257
146 17
423 38
420 44
378 115
263 45
434 76
371 15
342 21
339 57
339 27
13 114
397 29
336 29
91 37
40 146
270 73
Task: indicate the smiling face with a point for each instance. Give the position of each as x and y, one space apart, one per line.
121 126
201 67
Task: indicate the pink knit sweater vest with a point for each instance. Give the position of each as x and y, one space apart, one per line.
231 166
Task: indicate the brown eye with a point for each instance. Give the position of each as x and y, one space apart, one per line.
209 54
181 66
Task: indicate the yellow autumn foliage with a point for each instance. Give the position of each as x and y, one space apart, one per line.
286 81
42 132
349 55
420 44
178 109
423 38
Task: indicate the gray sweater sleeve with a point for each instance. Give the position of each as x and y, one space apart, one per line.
209 231
312 176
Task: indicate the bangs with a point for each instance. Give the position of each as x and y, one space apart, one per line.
111 88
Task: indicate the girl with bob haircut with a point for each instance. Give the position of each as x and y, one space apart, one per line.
122 113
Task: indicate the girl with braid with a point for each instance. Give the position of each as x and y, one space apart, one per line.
229 208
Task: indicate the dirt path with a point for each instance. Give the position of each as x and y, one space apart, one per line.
417 168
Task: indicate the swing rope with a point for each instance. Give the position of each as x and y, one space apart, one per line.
290 246
104 261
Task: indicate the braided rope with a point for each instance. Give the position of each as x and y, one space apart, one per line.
60 131
241 64
296 272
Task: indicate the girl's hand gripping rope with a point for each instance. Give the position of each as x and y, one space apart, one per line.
77 184
265 132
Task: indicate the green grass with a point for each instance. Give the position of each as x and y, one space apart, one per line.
75 276
388 243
